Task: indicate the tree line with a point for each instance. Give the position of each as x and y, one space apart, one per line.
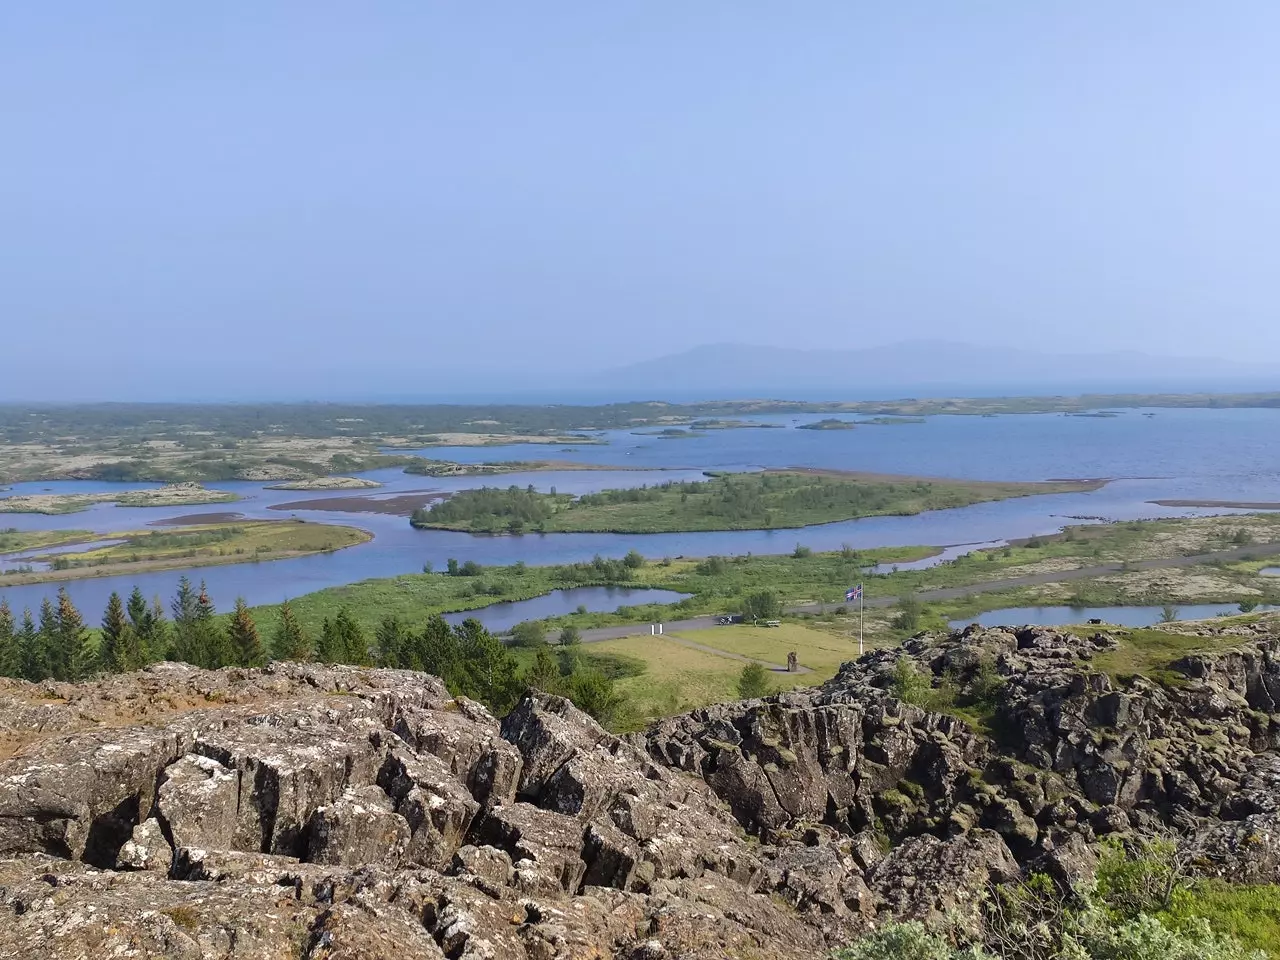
57 644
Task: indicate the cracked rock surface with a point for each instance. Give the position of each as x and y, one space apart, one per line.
307 811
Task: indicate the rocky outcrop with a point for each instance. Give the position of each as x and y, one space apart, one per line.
340 812
327 812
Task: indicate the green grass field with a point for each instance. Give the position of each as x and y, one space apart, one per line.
677 678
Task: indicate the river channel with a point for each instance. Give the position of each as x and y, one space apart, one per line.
1172 454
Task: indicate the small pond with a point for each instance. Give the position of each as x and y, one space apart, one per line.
1271 571
500 617
1118 616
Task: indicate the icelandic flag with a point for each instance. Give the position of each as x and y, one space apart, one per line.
854 594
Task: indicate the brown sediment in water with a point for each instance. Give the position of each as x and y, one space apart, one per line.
1235 504
400 505
192 519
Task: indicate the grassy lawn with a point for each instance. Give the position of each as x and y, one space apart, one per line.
770 499
203 545
677 678
820 651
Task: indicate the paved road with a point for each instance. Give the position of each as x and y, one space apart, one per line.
951 593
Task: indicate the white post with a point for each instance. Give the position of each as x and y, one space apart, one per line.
659 629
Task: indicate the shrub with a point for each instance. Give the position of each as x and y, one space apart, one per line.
754 682
908 618
761 605
530 633
905 941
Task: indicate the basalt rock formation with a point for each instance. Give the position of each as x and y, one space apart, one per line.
308 811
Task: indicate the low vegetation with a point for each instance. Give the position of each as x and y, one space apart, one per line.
1139 907
173 495
194 546
746 501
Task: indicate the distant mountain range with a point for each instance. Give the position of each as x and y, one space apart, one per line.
921 368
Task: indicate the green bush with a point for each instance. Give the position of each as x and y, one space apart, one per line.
906 941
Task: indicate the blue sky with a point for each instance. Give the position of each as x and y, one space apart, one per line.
247 199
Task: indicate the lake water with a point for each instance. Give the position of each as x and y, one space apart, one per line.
1175 454
1271 572
1118 616
500 617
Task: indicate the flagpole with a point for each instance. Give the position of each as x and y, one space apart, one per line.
860 620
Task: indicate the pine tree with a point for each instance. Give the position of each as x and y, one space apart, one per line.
342 640
10 660
392 641
185 603
245 643
158 639
290 641
114 624
133 654
213 640
34 666
544 673
46 659
143 624
78 652
197 638
329 645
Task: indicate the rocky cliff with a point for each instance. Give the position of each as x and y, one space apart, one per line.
307 811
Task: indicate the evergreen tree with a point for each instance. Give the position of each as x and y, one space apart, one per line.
197 638
185 603
46 654
142 621
350 641
484 670
10 659
544 673
133 654
290 641
435 649
394 647
77 651
213 639
33 666
158 639
329 646
114 624
138 611
246 645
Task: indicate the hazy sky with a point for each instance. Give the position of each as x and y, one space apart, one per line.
260 196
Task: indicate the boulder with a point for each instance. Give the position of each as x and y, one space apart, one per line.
146 849
358 828
197 803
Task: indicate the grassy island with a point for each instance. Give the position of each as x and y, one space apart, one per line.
748 501
173 495
829 423
195 546
328 483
